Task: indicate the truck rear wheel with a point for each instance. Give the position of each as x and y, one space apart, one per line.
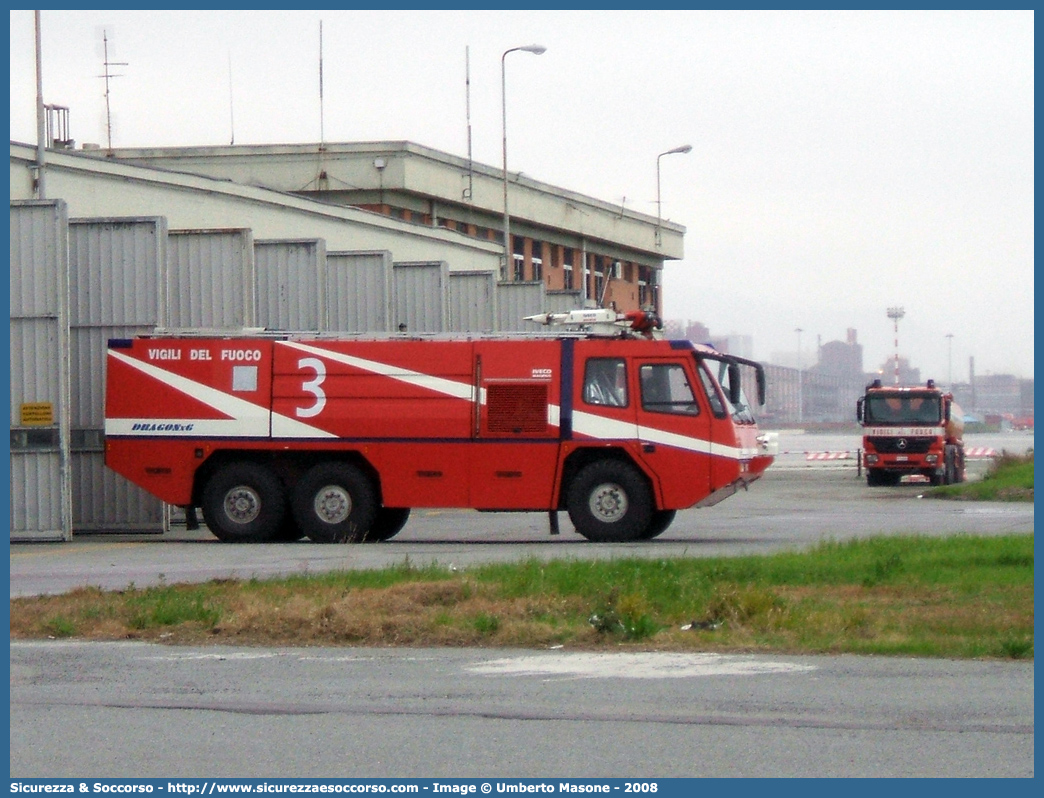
388 523
288 531
244 503
334 503
609 502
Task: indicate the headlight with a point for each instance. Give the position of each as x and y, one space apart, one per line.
931 458
768 442
871 459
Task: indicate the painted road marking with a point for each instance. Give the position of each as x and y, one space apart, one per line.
634 666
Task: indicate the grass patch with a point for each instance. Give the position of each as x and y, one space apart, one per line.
1009 479
960 596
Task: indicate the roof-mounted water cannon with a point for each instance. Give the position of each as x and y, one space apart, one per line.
604 321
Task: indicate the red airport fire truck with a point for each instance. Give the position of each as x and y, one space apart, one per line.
335 437
912 430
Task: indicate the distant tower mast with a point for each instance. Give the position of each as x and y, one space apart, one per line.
108 76
895 314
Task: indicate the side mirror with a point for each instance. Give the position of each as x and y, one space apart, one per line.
859 409
734 383
946 411
760 377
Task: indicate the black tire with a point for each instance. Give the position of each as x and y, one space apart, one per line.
334 503
661 519
388 523
244 503
873 478
950 472
609 501
289 532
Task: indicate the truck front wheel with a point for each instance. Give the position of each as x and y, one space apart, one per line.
950 460
334 503
387 524
609 502
661 519
244 503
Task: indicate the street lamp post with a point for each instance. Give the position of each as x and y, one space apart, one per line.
895 314
683 149
800 376
535 49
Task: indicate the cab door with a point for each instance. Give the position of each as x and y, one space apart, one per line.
674 427
603 406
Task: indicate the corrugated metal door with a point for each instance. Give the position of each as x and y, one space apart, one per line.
115 271
562 301
419 296
291 287
41 504
471 302
358 291
210 279
515 301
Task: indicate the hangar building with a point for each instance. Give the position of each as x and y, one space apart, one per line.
361 237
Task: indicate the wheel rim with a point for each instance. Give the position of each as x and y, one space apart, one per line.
242 504
608 503
333 504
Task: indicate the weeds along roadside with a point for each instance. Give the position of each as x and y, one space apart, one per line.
962 596
1009 478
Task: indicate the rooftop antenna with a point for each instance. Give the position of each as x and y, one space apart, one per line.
108 76
38 169
322 134
321 177
467 102
231 106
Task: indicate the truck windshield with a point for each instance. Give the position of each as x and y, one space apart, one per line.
903 409
741 411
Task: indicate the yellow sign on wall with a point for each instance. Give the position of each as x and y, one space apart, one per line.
37 414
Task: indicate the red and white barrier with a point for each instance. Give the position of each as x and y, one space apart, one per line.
827 455
979 452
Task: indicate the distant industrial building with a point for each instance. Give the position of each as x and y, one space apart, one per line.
841 358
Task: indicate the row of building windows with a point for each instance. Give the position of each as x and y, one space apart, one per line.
625 284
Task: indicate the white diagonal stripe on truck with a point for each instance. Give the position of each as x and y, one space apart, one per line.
250 420
458 390
588 424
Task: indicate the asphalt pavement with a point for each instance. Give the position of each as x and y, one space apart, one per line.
141 710
790 508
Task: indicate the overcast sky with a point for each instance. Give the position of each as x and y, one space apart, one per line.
842 162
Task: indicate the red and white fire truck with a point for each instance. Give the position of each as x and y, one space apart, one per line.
335 437
911 430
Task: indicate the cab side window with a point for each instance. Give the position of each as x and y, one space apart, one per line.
666 389
605 382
